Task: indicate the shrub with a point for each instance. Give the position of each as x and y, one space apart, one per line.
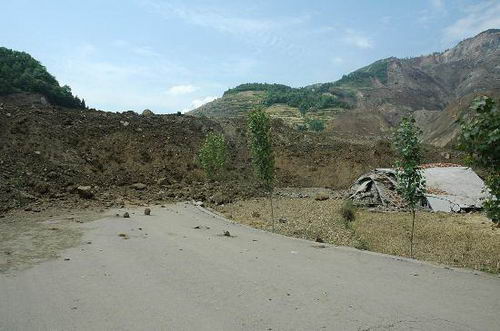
362 244
480 138
316 125
259 128
407 143
348 213
213 154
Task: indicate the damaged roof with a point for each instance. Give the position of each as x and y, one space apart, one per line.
454 189
450 188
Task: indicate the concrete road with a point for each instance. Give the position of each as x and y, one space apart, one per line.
170 276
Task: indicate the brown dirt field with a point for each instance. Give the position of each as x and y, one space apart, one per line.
460 240
27 238
48 151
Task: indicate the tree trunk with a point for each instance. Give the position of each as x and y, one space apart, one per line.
412 231
272 209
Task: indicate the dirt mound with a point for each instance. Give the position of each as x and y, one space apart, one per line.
57 154
51 153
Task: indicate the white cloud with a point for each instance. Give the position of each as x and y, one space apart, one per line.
139 50
220 19
357 39
145 51
337 60
479 17
181 89
263 33
434 12
199 102
437 4
118 85
386 20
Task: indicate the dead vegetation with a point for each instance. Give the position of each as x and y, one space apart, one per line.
461 240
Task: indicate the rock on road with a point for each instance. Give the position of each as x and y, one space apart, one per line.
175 270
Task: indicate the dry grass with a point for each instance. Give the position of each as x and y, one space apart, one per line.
462 240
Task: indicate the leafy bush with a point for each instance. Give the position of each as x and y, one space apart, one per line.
348 213
302 127
259 128
316 125
411 182
19 72
213 155
362 244
480 138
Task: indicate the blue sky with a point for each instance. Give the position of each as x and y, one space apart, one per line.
174 55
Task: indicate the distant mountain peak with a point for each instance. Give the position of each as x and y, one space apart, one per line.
374 97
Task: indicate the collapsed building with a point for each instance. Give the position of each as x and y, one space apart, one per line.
449 188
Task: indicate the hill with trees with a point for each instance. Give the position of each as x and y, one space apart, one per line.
20 72
373 99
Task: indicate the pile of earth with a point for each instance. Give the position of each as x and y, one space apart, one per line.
81 157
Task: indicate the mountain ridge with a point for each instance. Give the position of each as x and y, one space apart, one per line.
382 91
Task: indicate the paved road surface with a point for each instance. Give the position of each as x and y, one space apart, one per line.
170 276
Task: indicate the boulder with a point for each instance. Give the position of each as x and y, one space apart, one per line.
321 197
147 112
41 187
219 198
163 181
138 186
85 192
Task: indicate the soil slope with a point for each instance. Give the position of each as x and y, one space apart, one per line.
49 151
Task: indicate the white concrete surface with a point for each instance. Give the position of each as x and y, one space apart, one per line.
170 276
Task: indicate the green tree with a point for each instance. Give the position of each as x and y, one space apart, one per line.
213 155
411 183
19 72
259 127
480 138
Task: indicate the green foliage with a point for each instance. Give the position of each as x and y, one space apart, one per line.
19 72
302 127
259 127
361 244
363 77
480 138
258 87
316 125
348 213
213 155
407 143
411 183
306 99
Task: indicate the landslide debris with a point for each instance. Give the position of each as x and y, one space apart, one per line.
83 157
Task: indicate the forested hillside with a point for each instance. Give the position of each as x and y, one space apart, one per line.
20 72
